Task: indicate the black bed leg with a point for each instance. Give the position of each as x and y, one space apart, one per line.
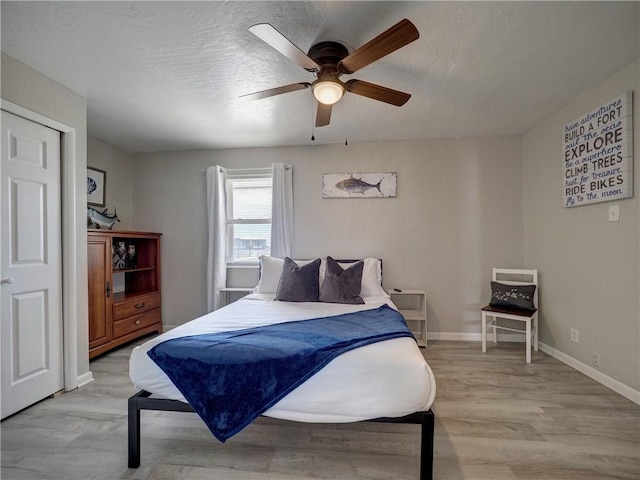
134 432
426 447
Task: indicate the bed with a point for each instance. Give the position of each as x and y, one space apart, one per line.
361 384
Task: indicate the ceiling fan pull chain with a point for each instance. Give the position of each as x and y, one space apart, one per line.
346 123
313 137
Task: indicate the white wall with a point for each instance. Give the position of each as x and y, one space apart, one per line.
589 267
457 214
119 185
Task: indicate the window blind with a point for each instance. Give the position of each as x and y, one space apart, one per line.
249 197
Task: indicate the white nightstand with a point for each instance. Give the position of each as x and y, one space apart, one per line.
413 307
229 294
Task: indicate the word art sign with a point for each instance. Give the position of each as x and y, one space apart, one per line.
598 154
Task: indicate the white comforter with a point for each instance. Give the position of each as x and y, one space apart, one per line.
385 379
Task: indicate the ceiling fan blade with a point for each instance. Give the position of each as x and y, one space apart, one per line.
401 34
273 37
382 94
323 116
276 91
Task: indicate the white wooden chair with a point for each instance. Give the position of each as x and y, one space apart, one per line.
529 317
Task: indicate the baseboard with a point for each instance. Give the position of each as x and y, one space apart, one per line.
611 383
84 379
618 387
473 337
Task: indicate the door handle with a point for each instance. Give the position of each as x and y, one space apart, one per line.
108 289
8 280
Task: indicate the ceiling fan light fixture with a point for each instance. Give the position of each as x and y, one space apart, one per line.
328 92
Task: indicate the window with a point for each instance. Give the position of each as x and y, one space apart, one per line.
249 195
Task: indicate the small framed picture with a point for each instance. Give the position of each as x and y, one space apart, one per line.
96 186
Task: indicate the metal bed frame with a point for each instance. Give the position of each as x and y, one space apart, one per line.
143 401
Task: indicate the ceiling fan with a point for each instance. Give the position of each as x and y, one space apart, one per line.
330 60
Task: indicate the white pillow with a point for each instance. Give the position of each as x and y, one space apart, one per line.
371 285
372 278
270 273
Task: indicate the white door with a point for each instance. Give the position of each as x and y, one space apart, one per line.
30 263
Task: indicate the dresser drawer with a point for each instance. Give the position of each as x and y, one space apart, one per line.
136 305
131 324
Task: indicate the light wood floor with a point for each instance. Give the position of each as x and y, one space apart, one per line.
496 418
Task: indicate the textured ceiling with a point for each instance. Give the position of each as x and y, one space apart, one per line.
168 75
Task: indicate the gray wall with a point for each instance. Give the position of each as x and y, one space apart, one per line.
460 210
589 267
119 184
27 88
463 206
457 214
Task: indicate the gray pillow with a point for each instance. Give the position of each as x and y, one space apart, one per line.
299 284
340 285
512 296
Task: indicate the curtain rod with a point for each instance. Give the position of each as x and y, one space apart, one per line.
286 167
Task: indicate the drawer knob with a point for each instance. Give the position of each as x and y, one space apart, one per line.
137 322
138 306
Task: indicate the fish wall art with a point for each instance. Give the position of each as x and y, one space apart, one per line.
359 185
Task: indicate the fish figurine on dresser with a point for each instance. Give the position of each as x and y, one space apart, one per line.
102 219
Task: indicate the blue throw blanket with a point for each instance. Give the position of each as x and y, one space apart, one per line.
231 378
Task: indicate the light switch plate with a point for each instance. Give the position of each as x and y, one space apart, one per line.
614 213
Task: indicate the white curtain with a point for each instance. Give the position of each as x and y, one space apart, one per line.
282 211
217 239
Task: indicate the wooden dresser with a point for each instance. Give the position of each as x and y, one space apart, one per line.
124 287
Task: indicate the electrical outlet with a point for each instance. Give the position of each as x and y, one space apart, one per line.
595 359
575 335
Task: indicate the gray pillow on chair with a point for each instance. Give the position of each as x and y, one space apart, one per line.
512 296
340 285
299 284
